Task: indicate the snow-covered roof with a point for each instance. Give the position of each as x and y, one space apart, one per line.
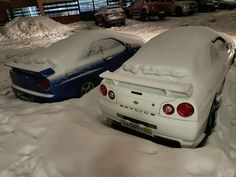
68 53
178 52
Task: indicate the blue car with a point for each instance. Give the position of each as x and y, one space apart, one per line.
70 68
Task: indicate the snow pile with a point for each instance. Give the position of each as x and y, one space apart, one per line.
31 27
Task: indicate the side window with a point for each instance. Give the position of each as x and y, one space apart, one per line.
95 51
219 51
111 47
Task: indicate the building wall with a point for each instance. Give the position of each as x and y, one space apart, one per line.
3 12
22 3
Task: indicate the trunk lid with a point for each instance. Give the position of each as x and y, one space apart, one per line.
30 76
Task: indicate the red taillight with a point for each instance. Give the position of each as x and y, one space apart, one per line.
185 109
168 109
42 85
45 84
111 95
103 90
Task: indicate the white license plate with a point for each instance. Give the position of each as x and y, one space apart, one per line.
137 127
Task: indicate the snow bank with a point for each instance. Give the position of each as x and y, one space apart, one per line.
29 27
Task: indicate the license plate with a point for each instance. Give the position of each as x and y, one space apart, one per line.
137 127
24 96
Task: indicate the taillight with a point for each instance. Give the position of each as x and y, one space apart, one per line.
45 84
111 95
103 90
42 85
168 109
185 109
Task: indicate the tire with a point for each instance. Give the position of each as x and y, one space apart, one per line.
212 9
123 23
178 12
161 16
222 6
96 22
105 24
211 121
128 15
85 87
144 15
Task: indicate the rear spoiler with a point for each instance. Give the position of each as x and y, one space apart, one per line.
36 69
183 88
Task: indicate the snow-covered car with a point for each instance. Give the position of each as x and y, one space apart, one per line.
169 90
110 15
71 67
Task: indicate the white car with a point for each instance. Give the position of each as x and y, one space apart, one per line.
171 87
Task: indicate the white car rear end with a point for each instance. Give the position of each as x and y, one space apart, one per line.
168 94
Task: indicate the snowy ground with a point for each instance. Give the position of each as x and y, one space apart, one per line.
69 139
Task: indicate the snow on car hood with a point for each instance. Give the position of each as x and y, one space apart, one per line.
179 53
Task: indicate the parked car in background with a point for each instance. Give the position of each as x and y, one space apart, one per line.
173 95
184 7
110 15
71 67
227 4
144 9
207 5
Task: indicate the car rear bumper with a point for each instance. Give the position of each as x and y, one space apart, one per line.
113 21
187 133
29 95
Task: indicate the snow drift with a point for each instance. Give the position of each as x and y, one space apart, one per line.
31 27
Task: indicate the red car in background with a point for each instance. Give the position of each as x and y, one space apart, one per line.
144 9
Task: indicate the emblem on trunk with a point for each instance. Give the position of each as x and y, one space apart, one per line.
136 102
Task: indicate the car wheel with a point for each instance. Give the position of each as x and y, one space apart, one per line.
144 15
161 16
128 14
211 121
105 24
178 12
96 22
222 6
86 87
123 23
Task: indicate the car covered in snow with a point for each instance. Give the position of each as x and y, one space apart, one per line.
71 67
168 90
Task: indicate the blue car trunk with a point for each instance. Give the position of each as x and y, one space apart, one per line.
34 81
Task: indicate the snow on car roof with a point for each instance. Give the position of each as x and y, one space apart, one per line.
178 52
68 53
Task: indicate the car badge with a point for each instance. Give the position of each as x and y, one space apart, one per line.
136 102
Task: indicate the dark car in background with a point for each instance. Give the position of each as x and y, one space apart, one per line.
110 15
184 7
227 4
207 5
144 9
71 67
